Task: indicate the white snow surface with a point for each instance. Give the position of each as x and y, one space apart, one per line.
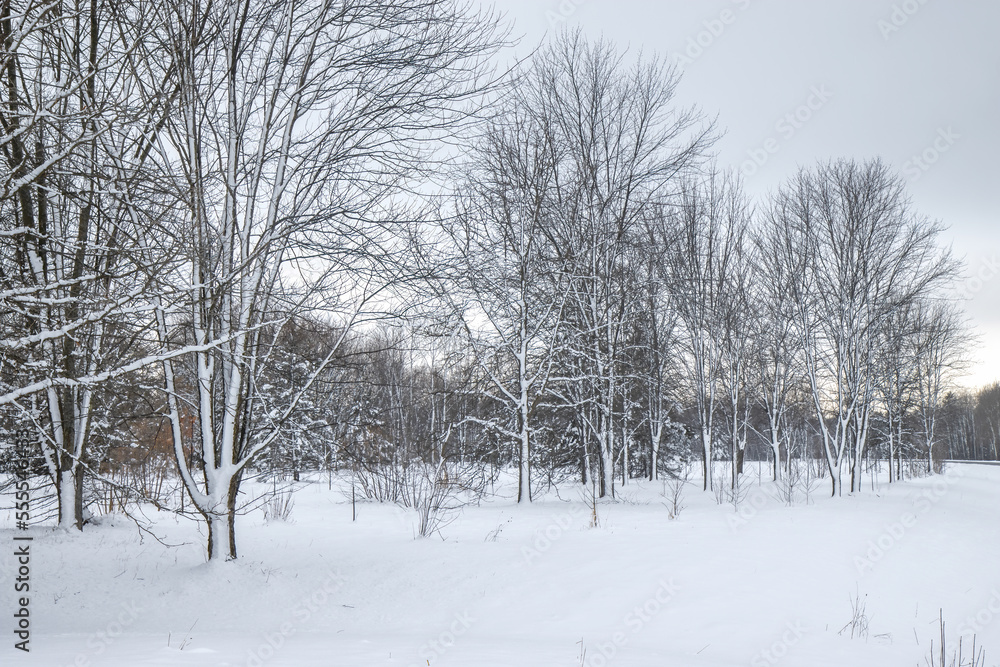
768 585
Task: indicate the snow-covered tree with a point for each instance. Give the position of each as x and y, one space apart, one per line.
296 127
866 256
709 222
895 378
939 343
506 289
738 344
655 339
624 142
776 365
78 214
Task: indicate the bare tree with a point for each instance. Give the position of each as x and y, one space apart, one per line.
655 369
777 359
737 312
507 290
867 255
939 343
710 222
77 197
987 420
624 144
296 127
895 375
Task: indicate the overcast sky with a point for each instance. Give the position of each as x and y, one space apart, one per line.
793 82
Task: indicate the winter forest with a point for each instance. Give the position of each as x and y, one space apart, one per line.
265 263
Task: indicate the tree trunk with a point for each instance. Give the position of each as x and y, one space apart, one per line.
218 536
706 458
835 479
69 487
608 466
524 469
856 472
624 456
776 449
222 518
892 452
654 454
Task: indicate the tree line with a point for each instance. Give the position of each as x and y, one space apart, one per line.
302 235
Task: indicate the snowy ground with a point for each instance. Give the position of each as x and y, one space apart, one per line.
769 585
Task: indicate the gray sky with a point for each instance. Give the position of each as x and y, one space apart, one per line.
916 82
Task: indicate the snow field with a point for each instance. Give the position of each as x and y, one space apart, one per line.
766 584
